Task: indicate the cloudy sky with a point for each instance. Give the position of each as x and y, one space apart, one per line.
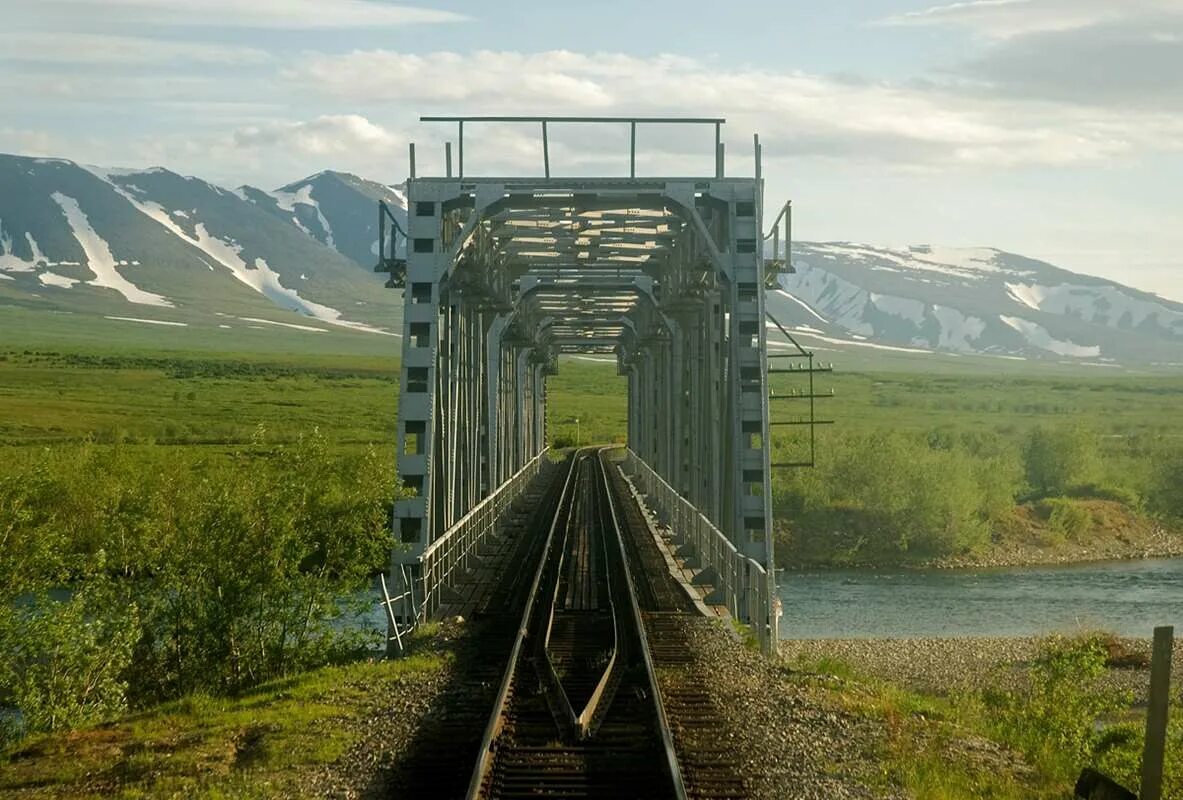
1052 128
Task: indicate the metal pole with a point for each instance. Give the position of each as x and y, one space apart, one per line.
545 150
1156 715
460 143
411 159
632 150
448 158
718 150
788 235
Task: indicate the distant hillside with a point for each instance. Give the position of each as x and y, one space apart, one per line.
971 301
153 246
337 209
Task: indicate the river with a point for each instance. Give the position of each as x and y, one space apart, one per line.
1128 598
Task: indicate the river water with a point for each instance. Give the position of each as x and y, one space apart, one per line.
1128 598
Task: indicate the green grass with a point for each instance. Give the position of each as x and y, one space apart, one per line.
206 404
998 741
931 748
51 396
264 743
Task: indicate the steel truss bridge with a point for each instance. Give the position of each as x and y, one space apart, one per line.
503 275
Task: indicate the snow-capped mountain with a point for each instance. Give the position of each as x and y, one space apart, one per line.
971 301
337 209
151 244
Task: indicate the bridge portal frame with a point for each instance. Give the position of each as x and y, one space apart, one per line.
505 274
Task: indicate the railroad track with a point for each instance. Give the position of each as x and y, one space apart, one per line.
578 713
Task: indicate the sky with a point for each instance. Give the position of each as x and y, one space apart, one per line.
1049 128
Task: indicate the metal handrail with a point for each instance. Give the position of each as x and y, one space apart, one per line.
632 122
439 561
712 547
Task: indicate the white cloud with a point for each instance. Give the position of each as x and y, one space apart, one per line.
325 135
1098 53
1006 18
275 14
87 48
29 143
798 114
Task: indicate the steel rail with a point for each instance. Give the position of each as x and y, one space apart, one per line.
667 737
600 695
497 718
592 487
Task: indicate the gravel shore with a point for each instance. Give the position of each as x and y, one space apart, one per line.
795 745
1158 542
967 663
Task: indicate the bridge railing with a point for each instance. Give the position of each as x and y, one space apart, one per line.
447 558
740 582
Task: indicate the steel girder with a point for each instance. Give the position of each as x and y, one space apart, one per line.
502 275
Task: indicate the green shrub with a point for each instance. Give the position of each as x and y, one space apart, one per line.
1057 721
63 661
1066 518
1167 487
1058 459
238 566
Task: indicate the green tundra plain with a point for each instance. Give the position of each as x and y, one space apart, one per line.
113 458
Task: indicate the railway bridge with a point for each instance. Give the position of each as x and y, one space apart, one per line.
504 275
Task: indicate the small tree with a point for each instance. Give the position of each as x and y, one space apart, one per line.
1167 496
1057 459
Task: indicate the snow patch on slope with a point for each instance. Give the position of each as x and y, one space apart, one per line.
972 263
842 301
9 261
958 329
259 277
872 345
909 309
1101 304
288 201
1039 336
99 259
291 325
48 278
783 293
151 321
1030 296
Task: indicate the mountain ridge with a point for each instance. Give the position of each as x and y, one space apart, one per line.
139 243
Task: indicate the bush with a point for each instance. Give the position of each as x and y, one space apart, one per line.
893 495
1057 721
1167 490
63 662
1066 518
1058 459
210 573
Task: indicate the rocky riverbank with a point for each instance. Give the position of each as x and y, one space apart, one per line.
1154 541
1118 535
944 665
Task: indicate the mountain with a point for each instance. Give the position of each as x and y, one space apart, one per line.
337 209
156 249
152 246
980 301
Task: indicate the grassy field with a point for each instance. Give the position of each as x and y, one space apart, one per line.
112 457
271 741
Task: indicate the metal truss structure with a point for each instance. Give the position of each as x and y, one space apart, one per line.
503 275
